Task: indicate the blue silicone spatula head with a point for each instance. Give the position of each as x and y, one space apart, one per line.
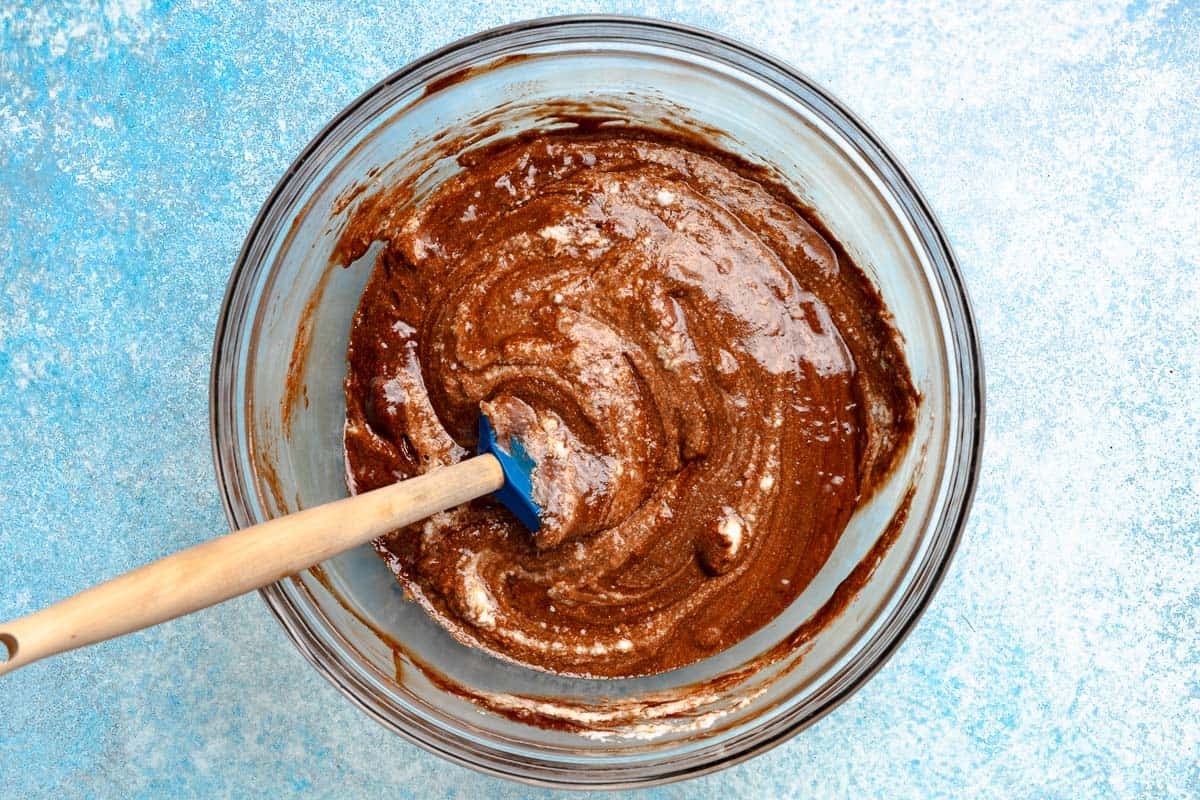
517 492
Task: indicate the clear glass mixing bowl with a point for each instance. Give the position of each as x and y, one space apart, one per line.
279 359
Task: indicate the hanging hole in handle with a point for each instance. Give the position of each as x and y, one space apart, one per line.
9 651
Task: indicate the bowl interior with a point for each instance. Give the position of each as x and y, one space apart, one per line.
281 380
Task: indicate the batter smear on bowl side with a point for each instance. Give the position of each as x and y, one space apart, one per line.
709 385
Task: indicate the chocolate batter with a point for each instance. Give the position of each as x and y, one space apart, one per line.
708 383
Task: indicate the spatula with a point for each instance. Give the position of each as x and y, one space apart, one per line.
253 557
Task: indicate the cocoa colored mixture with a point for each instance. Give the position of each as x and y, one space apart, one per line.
709 385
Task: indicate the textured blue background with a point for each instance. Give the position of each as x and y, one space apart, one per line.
1058 144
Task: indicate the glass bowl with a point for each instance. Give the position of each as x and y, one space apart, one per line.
277 406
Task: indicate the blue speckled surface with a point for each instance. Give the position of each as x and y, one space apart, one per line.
1058 143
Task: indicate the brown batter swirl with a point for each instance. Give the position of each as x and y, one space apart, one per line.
709 384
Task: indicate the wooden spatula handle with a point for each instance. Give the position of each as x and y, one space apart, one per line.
239 562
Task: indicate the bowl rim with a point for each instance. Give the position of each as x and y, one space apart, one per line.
964 472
